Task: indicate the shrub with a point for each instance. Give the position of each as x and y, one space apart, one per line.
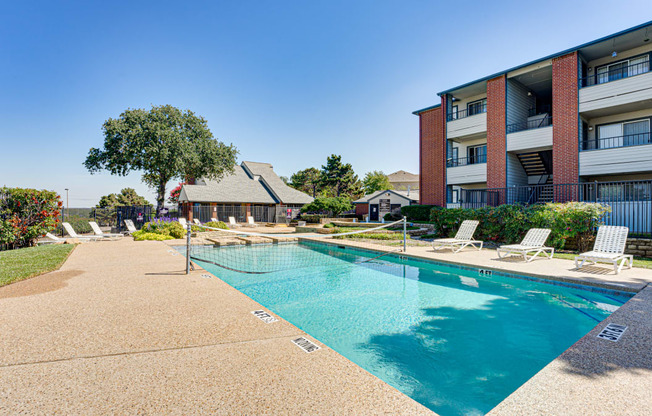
217 224
416 212
329 225
312 218
170 228
509 223
327 204
26 214
142 235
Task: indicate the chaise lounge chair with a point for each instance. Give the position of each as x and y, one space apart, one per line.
131 228
183 222
463 238
532 243
52 239
609 247
71 232
196 221
98 231
232 222
251 222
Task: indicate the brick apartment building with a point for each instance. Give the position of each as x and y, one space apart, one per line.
574 125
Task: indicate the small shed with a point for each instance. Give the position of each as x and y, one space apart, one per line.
379 203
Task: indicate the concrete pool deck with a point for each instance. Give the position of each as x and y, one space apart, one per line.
121 329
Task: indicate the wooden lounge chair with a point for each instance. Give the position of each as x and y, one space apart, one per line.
609 247
463 238
532 243
232 222
131 228
71 232
251 222
98 231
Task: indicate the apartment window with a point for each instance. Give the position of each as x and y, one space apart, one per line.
454 112
477 154
455 153
455 196
623 69
476 107
629 133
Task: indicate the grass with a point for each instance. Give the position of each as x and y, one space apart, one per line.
24 263
641 262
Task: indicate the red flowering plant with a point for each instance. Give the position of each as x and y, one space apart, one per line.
175 192
27 214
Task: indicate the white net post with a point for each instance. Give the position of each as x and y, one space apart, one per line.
188 235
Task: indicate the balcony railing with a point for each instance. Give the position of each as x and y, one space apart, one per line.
615 142
615 74
471 111
464 161
530 124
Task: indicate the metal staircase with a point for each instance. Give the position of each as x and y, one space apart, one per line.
539 164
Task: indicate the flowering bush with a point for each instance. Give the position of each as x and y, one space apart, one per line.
141 235
509 223
160 226
175 192
27 214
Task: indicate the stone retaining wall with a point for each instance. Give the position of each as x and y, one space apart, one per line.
639 247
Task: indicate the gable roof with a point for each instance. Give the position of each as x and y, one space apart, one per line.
244 186
413 196
402 176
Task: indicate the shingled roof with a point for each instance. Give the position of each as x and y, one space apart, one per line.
251 182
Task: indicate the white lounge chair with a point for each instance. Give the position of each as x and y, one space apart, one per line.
463 238
533 242
232 222
131 228
71 232
98 231
251 222
52 239
183 222
196 221
609 247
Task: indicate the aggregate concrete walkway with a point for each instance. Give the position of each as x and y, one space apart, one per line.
121 330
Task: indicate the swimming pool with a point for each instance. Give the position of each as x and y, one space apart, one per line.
454 340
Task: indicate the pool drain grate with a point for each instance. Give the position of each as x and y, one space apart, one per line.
612 332
264 316
305 344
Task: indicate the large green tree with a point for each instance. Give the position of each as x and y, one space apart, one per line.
307 180
127 196
340 178
327 204
164 143
375 181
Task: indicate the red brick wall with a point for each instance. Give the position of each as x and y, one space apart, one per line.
565 120
361 209
432 157
496 144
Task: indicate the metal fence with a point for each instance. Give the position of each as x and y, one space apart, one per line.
277 214
630 201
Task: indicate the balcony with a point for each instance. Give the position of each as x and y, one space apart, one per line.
616 155
533 134
466 170
622 90
467 126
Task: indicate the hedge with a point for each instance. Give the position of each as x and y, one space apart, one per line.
417 212
26 214
509 223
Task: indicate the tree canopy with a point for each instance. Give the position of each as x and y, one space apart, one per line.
375 181
307 180
127 196
164 143
340 178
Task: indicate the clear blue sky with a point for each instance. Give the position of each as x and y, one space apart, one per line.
286 82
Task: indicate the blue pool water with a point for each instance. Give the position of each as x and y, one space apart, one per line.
455 341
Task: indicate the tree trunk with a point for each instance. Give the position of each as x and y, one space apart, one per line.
160 198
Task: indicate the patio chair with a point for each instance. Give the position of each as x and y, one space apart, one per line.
532 243
98 231
232 222
71 232
131 228
251 222
463 238
52 239
183 222
609 247
196 221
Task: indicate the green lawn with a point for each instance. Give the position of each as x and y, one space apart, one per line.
23 263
